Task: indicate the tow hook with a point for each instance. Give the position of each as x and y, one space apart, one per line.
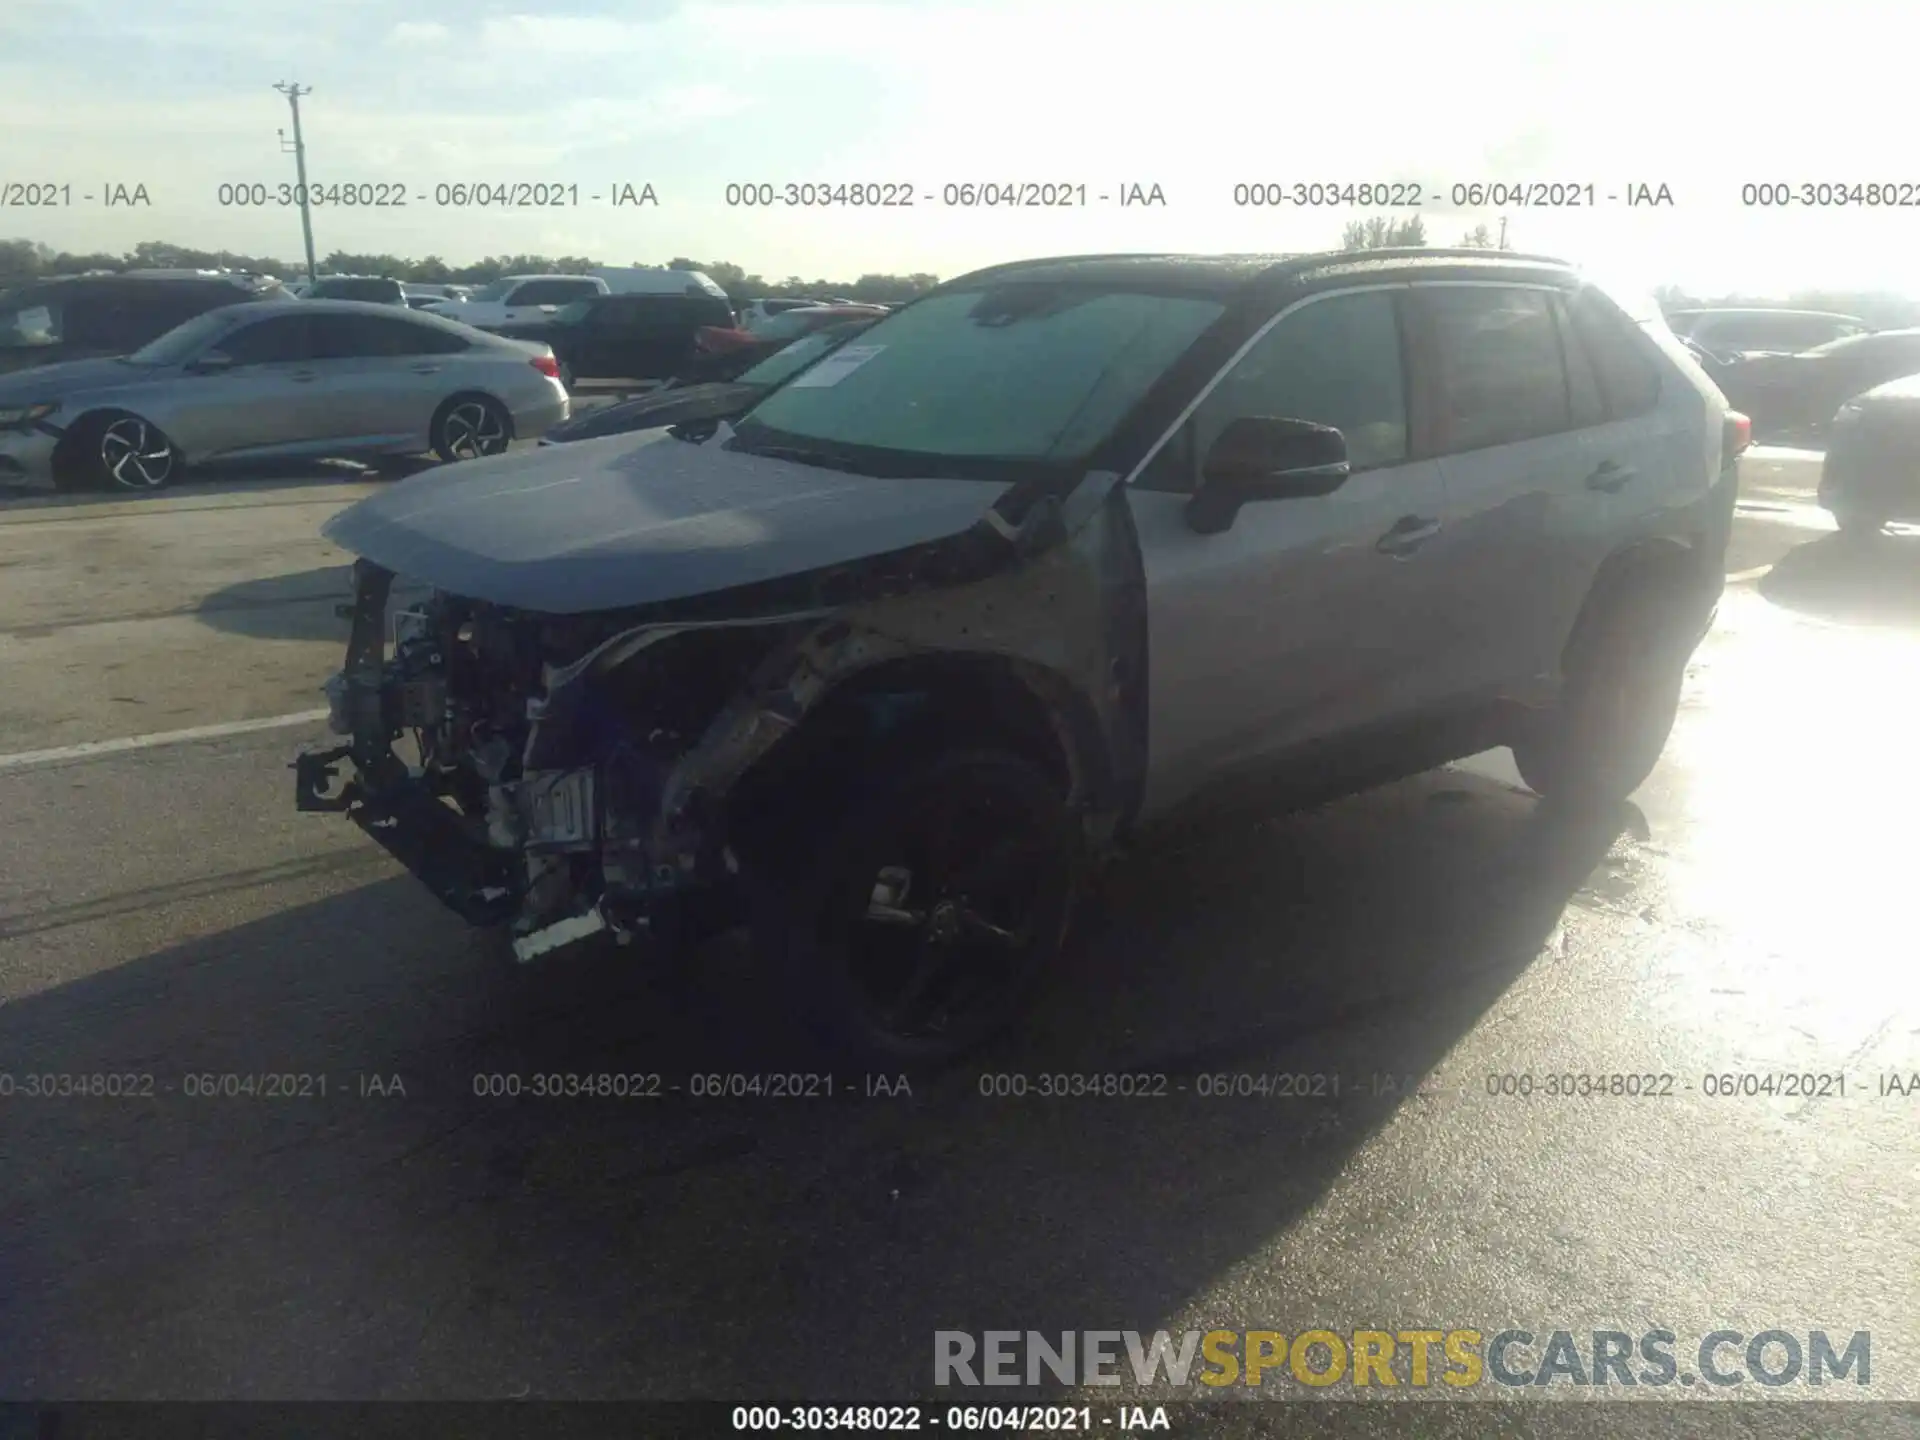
314 774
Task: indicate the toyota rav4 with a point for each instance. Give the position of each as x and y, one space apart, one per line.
885 669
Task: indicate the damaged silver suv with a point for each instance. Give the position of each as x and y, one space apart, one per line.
1058 549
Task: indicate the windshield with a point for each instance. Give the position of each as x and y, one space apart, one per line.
1021 372
801 353
183 341
572 314
496 291
29 325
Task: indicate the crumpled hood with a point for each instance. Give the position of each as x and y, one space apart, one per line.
632 520
69 377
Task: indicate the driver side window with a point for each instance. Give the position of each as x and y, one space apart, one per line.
1334 362
278 341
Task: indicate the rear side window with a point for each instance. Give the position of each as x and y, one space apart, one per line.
1629 376
31 320
345 337
552 292
1586 401
149 316
1496 359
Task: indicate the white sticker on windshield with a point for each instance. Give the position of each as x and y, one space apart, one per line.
837 366
37 321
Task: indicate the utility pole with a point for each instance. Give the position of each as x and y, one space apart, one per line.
1503 227
299 148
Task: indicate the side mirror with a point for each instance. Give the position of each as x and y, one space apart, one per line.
214 362
1262 458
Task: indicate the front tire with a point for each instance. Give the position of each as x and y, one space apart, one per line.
1603 739
919 926
1859 524
124 452
471 427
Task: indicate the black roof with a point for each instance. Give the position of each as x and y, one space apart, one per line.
1228 276
233 279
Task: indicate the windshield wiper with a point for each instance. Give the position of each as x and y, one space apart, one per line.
800 455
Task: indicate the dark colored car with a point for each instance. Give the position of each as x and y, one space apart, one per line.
628 337
1871 473
1800 393
90 317
1732 331
370 288
698 409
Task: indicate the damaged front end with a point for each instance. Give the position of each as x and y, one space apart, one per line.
571 774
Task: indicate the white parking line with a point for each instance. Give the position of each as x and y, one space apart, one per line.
165 737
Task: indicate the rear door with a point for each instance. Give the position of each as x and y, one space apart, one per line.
1642 430
382 375
1307 617
1516 553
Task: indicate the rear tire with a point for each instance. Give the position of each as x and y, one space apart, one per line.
918 927
470 427
1616 712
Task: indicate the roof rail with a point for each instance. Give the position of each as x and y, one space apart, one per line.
1463 252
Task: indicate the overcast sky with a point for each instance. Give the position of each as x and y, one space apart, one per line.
1195 97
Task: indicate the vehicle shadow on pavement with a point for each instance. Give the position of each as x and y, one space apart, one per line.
222 480
299 606
1870 580
444 1244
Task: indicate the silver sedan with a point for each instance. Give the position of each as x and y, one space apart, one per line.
277 380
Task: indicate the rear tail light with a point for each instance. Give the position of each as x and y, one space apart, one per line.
547 366
1736 434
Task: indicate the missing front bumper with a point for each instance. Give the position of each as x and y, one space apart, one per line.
408 820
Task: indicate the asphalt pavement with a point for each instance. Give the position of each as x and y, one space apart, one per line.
390 1230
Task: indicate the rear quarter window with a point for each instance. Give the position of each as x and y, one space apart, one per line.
1629 376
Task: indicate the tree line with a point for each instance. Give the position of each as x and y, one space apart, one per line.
23 260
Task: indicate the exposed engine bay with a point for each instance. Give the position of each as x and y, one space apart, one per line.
572 774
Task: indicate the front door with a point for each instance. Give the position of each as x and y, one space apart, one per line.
1307 618
270 397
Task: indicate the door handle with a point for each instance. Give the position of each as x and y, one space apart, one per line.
1408 534
426 369
1610 477
303 376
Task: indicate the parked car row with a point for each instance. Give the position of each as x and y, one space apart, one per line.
125 380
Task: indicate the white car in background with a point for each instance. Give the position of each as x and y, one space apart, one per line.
521 301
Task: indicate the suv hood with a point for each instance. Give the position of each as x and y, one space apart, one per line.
633 520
